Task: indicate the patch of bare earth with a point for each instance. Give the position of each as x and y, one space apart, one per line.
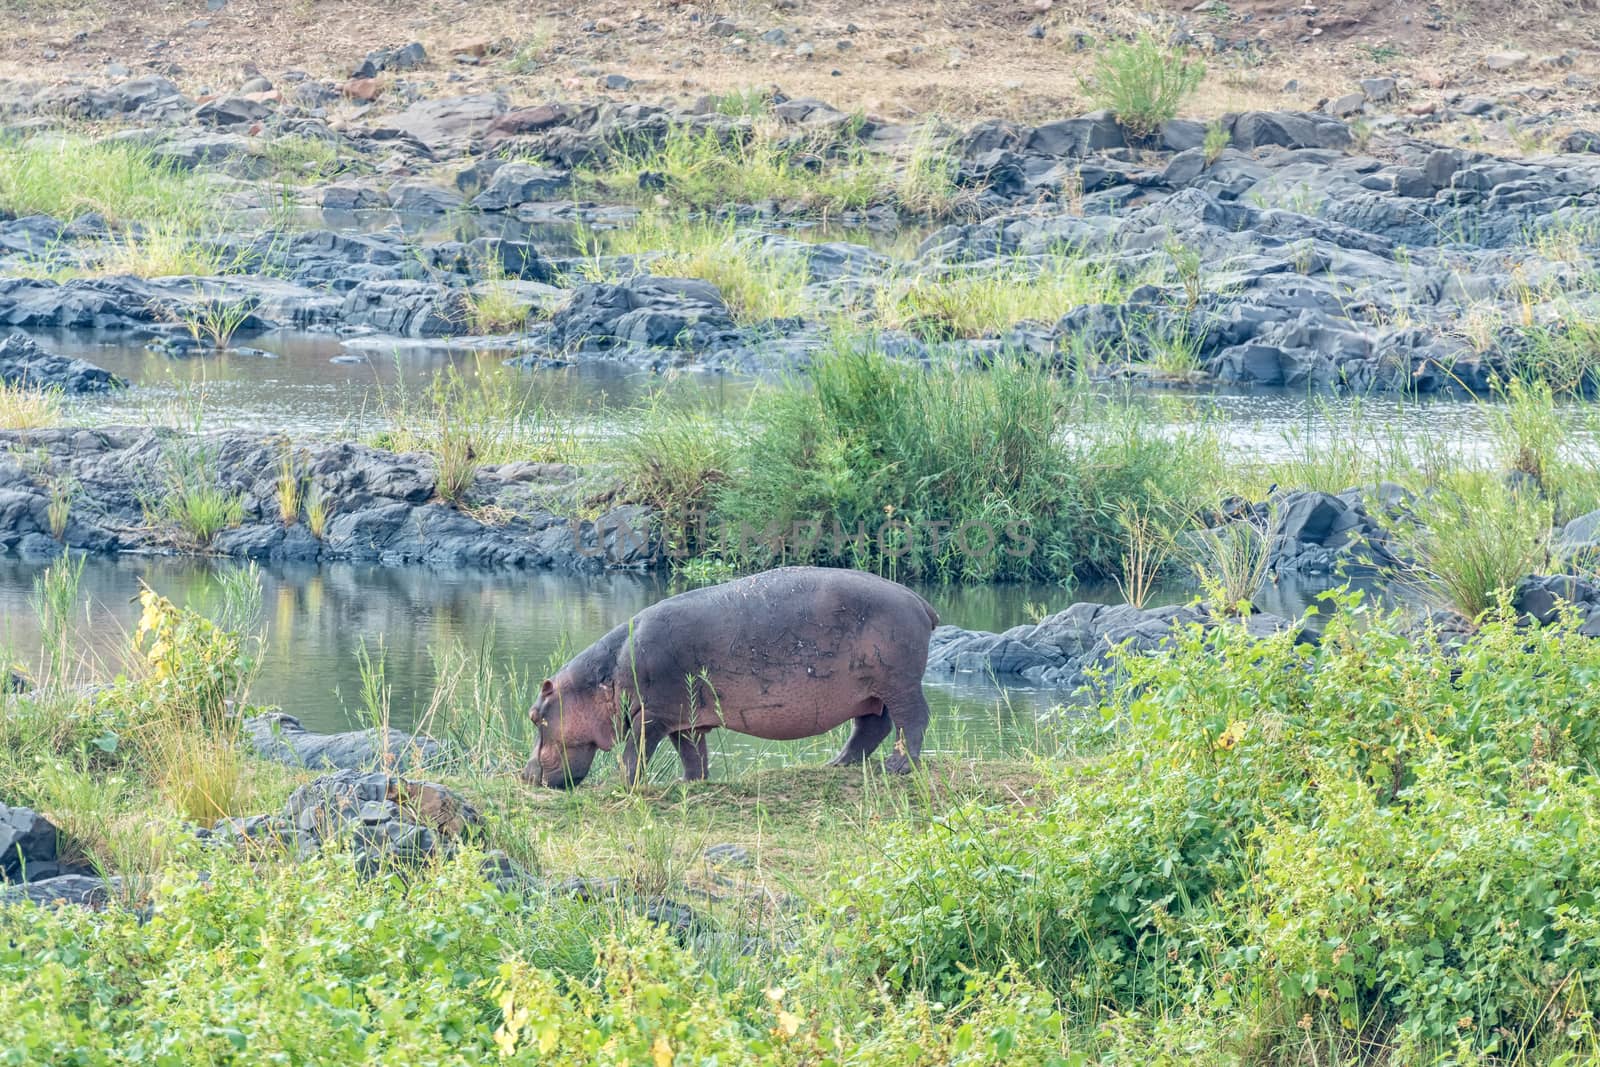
963 58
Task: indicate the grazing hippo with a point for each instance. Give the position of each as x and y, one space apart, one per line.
784 654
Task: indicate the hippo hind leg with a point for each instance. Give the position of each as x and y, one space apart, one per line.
867 732
694 754
910 713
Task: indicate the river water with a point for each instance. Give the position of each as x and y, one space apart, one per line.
422 624
319 621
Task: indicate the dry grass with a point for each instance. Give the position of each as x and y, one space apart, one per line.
964 58
22 408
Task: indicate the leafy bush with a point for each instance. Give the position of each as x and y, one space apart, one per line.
1142 83
308 964
1011 472
1376 838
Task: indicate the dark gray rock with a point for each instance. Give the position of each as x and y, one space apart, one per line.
444 123
389 822
643 311
1546 598
231 111
423 198
23 362
79 890
1065 650
27 845
1287 129
282 739
515 184
383 505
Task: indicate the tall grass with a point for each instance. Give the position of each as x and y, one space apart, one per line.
189 496
1142 82
758 284
705 169
70 176
25 408
674 456
1472 539
984 301
465 420
54 602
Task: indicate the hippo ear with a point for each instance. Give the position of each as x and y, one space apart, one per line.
546 689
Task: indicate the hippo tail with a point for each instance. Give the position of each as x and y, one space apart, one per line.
933 616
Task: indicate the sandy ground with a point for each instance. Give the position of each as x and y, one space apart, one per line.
962 58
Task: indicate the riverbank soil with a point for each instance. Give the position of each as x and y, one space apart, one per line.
1019 59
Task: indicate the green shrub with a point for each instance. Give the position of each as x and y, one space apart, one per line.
673 457
1012 472
491 415
1375 838
1472 539
309 964
1142 83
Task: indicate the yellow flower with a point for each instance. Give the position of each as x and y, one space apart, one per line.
661 1051
1232 735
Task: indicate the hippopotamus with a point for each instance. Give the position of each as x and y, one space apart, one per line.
784 654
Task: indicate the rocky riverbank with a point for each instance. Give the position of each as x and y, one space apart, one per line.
1263 249
123 490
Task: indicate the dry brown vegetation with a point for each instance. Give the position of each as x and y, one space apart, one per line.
959 57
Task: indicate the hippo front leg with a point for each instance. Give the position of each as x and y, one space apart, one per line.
910 713
632 766
694 754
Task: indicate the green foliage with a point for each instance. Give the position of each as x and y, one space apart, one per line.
69 176
25 408
1142 82
757 283
1472 539
1376 836
702 170
1217 140
190 496
464 420
311 964
986 301
673 457
1011 472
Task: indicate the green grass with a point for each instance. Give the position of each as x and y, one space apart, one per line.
1142 82
23 407
1473 539
984 302
464 420
187 495
68 176
705 170
1032 469
757 284
1249 853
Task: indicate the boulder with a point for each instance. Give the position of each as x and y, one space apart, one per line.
282 739
27 845
514 184
446 123
23 362
385 819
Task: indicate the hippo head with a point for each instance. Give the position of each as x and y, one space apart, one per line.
574 718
